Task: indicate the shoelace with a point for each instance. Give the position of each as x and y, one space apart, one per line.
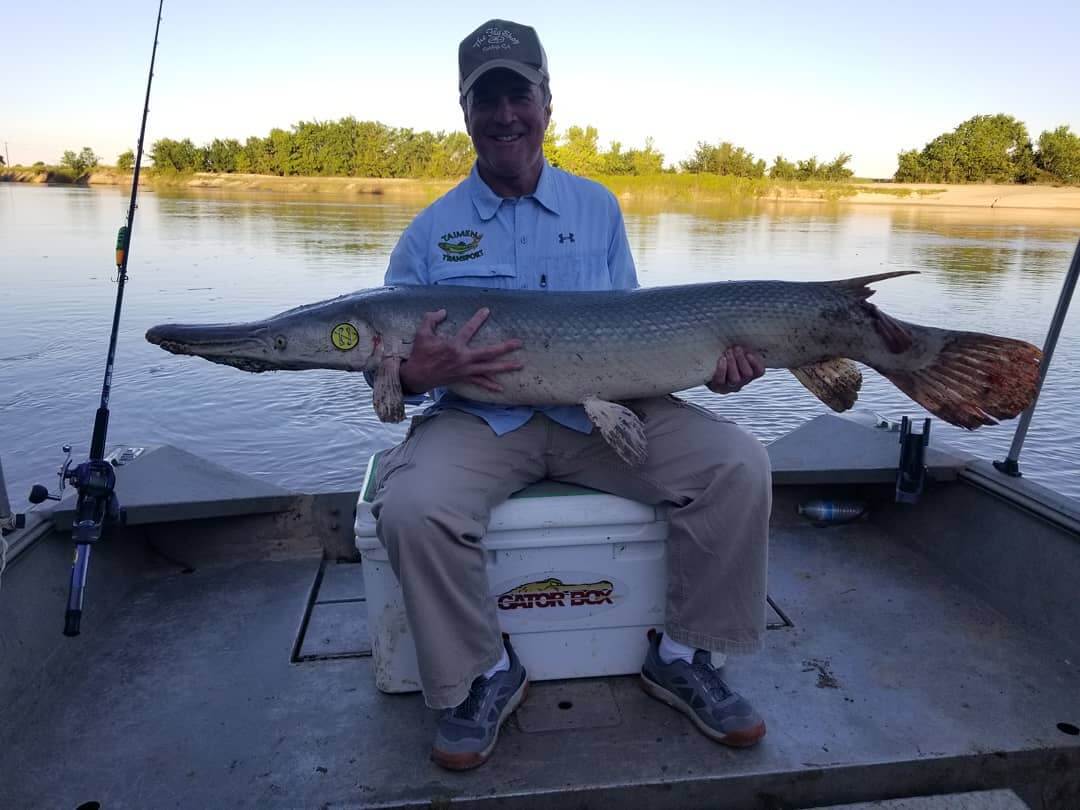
469 709
712 681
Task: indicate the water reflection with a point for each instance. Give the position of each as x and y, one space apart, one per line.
223 256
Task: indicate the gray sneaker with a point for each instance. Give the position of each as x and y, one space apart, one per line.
467 734
697 691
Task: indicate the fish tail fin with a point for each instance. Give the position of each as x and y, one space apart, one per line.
975 379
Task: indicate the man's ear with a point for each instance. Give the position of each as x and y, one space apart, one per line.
464 101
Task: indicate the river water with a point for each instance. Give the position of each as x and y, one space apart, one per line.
228 257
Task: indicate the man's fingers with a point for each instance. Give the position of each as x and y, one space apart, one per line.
720 376
430 321
756 363
491 352
495 367
473 324
486 383
745 372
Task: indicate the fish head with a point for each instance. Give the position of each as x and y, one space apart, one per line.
325 335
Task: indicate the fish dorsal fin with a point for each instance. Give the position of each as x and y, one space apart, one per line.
835 382
621 429
860 286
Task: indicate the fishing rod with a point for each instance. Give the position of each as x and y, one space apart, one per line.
95 480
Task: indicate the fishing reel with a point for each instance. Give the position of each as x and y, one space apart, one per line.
39 493
95 481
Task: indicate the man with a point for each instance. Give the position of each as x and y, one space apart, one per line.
518 222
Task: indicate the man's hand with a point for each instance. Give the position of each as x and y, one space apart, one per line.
438 361
734 369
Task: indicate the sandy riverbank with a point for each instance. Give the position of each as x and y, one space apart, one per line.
239 182
969 196
658 188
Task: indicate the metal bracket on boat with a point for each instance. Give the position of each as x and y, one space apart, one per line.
9 522
911 472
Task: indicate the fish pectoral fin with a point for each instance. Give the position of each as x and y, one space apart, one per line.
387 396
621 429
835 382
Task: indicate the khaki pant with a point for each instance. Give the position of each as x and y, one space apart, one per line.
435 492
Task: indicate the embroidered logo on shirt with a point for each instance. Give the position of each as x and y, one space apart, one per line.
566 237
460 246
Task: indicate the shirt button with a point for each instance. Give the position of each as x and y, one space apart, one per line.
524 239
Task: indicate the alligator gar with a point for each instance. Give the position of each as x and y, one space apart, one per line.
599 348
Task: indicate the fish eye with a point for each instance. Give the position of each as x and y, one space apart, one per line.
280 342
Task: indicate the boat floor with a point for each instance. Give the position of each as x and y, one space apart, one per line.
892 681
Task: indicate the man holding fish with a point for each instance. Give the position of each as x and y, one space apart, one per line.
519 223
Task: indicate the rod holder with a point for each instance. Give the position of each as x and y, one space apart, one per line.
1010 465
911 471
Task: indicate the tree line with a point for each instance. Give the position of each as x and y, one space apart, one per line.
345 148
352 148
985 148
993 148
726 158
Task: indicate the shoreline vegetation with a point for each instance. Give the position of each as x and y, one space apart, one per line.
988 161
664 188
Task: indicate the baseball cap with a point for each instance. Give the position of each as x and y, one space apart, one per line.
501 44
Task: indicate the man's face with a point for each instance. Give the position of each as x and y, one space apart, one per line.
506 117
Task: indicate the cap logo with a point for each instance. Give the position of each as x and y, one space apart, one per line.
495 39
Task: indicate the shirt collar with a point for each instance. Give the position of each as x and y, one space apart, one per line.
487 202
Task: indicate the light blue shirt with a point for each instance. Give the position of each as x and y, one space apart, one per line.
567 235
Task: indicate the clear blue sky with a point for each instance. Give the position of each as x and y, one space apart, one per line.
796 78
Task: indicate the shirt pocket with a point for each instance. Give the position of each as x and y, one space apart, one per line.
580 271
491 276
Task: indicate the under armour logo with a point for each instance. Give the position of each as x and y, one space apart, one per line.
566 237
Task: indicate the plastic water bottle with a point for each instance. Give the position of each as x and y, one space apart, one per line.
832 513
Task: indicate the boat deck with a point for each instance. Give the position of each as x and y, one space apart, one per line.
892 679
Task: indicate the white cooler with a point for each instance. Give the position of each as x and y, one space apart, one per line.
578 578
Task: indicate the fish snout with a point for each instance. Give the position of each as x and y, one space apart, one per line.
208 340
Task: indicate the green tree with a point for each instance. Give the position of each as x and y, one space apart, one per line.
616 161
551 145
579 152
837 168
283 152
910 168
646 161
255 157
1059 154
176 156
125 162
724 158
221 155
452 156
782 169
81 163
985 148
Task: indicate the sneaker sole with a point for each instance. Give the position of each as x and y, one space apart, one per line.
734 739
474 759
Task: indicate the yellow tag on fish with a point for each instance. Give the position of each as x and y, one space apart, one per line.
344 336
